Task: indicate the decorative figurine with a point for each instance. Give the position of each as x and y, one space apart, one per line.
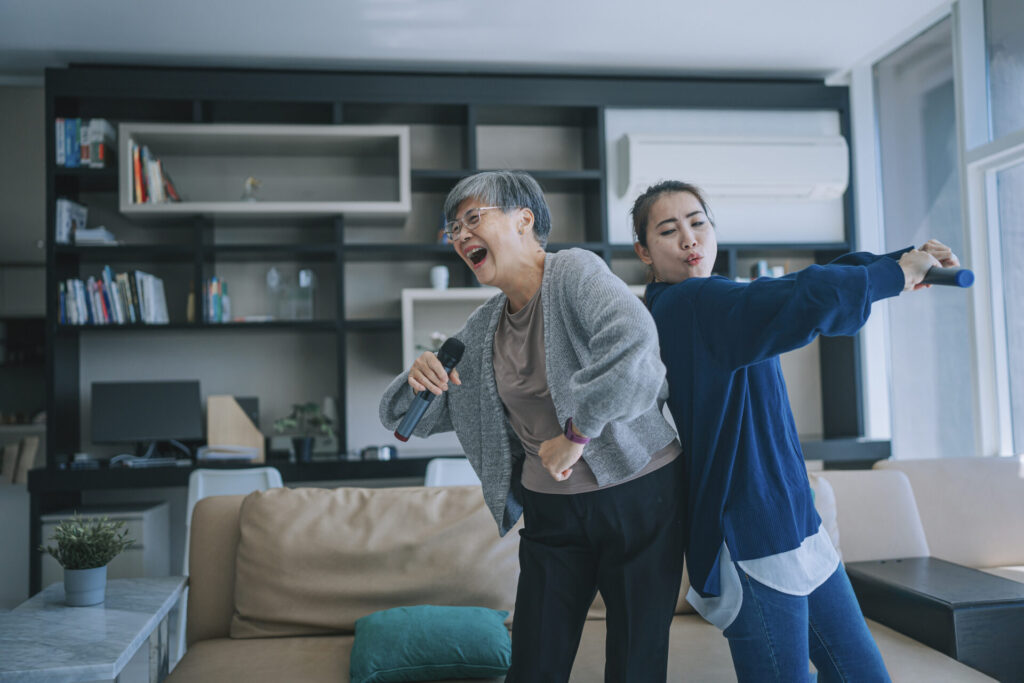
251 186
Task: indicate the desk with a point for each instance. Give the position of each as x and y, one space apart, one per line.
45 640
53 489
972 616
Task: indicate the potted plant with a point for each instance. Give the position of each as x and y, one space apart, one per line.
85 546
305 423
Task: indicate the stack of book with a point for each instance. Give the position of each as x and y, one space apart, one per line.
85 142
95 236
125 298
150 182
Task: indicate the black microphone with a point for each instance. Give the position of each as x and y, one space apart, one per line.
952 277
449 354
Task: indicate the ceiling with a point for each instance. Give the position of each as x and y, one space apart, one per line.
807 38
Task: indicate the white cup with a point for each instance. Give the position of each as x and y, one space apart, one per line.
439 277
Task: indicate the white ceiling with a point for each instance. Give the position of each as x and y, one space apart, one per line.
686 37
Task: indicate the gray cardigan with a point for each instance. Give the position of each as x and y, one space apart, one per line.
604 371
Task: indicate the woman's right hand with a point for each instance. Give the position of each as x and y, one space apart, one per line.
915 264
428 373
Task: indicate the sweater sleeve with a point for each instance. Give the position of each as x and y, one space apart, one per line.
397 398
624 374
742 324
396 401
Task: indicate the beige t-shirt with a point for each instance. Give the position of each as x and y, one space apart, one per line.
521 375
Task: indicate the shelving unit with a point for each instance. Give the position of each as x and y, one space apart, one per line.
441 128
306 170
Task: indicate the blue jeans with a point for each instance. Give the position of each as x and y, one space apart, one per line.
775 634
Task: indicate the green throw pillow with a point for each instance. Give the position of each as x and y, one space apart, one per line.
430 643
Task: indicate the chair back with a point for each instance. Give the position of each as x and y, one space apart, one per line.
450 472
203 483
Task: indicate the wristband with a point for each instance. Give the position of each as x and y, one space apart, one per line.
571 434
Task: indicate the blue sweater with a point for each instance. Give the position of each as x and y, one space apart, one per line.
720 342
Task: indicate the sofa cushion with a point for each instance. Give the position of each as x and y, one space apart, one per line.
972 508
213 545
876 515
699 652
429 643
268 660
312 561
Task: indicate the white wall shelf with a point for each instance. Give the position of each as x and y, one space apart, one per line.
359 171
425 311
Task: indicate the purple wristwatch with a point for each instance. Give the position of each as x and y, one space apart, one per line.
572 435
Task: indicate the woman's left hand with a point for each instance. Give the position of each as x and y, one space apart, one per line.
559 455
943 254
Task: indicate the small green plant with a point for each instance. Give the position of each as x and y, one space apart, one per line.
305 420
87 543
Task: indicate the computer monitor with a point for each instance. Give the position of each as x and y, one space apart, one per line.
146 412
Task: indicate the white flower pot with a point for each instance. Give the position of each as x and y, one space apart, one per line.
84 587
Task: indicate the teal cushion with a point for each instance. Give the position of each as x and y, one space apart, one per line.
430 643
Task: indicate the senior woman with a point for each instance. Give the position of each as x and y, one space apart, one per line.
557 404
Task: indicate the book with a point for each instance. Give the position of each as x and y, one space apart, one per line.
94 236
92 297
161 302
133 290
140 192
69 303
104 302
169 188
152 176
125 292
83 143
60 145
70 216
118 310
9 464
72 149
101 139
26 458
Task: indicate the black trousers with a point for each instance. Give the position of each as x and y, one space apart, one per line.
628 542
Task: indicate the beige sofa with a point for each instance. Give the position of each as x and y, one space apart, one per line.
279 577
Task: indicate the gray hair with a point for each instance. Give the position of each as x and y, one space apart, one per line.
507 189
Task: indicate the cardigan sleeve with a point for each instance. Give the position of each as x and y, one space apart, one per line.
622 374
396 401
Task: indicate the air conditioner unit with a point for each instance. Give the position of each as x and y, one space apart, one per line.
758 168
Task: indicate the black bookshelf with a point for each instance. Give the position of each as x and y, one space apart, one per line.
464 102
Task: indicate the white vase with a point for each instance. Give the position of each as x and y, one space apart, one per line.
83 587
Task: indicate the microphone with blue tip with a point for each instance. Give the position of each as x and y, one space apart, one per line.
449 354
951 277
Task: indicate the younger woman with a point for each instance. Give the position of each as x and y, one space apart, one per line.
762 567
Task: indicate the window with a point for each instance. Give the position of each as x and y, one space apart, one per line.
929 331
1004 38
1009 190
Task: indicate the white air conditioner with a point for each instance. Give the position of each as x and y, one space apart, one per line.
757 168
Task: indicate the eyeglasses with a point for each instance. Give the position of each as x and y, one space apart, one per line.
470 220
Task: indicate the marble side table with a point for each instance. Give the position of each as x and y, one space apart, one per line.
45 640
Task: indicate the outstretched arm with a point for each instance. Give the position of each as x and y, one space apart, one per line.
747 323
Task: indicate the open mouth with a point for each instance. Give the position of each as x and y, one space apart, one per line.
476 255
